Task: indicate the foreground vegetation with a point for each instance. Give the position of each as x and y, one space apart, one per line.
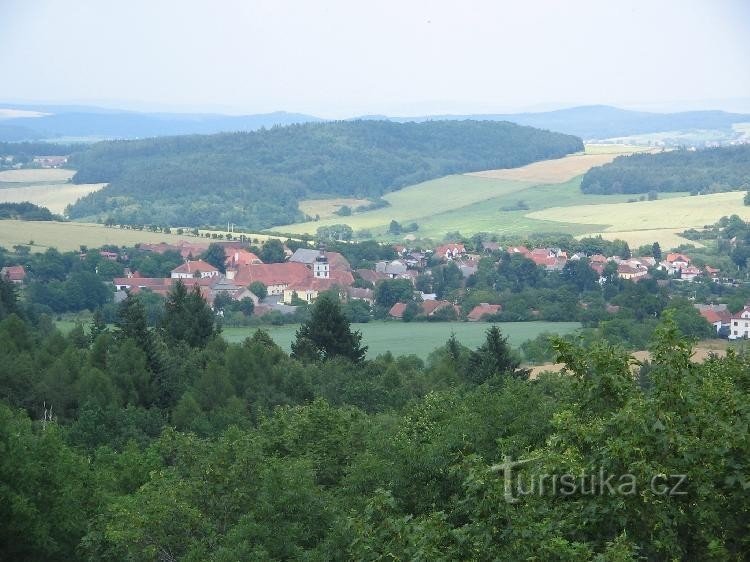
171 444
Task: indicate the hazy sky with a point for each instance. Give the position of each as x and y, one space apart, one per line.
344 57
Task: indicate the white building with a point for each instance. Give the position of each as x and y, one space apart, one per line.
739 324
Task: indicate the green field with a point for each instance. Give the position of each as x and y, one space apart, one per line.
646 221
418 338
472 203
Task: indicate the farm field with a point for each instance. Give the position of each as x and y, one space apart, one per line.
44 187
418 338
471 203
70 235
647 221
326 208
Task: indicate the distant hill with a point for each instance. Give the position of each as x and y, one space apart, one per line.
256 179
697 171
603 122
587 122
78 121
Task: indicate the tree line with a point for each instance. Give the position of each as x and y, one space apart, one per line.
255 179
709 170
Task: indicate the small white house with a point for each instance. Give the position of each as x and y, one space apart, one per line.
739 325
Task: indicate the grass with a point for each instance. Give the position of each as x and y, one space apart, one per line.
648 221
70 235
326 208
471 203
418 338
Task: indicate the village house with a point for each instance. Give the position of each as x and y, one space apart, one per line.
191 269
631 272
239 257
483 309
426 308
393 269
186 249
740 324
14 273
360 294
450 251
717 315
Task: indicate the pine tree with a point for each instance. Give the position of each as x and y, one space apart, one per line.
494 357
328 334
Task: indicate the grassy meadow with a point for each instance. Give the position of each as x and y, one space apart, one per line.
43 187
645 221
418 338
326 208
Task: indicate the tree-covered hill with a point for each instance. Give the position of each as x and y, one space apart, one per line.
710 170
255 179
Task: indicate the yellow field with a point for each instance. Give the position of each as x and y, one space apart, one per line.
53 196
550 171
46 187
616 149
326 208
649 221
36 175
71 235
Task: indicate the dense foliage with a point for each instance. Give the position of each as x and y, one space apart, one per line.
150 444
256 179
696 171
26 212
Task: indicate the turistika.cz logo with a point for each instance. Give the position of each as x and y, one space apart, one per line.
585 484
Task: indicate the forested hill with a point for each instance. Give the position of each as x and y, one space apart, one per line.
714 169
256 179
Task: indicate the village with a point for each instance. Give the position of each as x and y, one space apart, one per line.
307 272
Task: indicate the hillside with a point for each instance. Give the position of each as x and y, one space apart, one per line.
603 122
256 179
710 170
51 122
34 122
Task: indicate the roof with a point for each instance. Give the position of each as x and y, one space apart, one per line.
715 316
371 276
483 309
307 256
677 257
241 257
518 250
360 293
397 310
194 267
453 248
183 248
273 273
430 307
14 272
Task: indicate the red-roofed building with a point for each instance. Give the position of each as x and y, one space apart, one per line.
397 310
191 269
237 258
523 250
450 251
14 273
275 276
483 309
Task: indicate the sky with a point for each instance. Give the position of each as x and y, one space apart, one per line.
340 58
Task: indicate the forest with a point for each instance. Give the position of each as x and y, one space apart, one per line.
167 443
696 171
255 179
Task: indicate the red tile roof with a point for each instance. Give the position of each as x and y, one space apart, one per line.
237 258
483 309
14 273
194 267
287 273
397 310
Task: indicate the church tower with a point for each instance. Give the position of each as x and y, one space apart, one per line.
321 268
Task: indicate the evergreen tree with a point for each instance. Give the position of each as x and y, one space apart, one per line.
328 334
8 298
494 357
656 251
187 317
